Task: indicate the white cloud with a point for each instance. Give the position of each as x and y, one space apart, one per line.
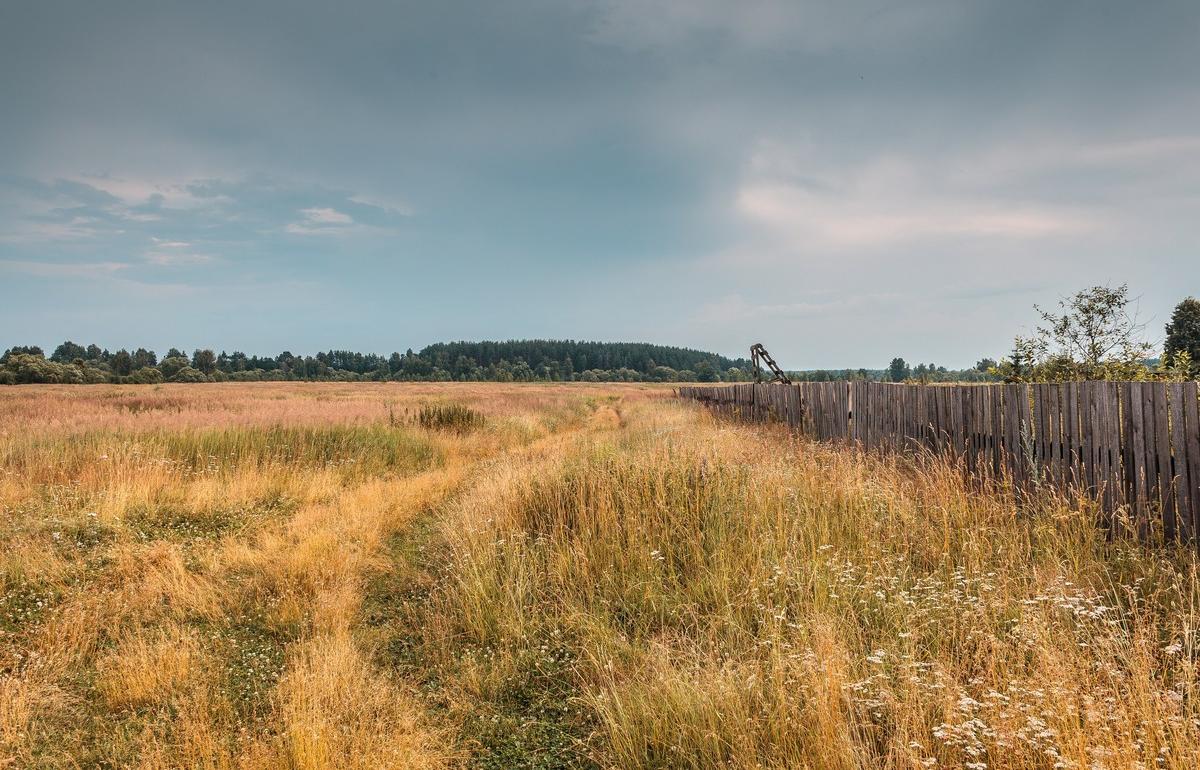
865 217
321 221
168 253
791 197
389 205
326 216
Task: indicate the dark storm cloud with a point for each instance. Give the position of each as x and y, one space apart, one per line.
849 179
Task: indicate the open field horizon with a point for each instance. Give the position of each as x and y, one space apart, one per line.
360 575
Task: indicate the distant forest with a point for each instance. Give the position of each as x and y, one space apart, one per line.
512 361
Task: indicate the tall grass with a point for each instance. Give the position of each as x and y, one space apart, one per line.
183 573
286 576
452 417
726 598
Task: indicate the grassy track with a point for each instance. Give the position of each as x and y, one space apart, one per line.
326 577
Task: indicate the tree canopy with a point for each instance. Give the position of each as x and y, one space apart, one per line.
511 361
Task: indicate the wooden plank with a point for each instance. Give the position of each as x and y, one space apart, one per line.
963 418
1179 465
984 428
844 414
997 396
853 411
907 417
1039 431
1129 473
1089 439
963 401
1054 440
1071 436
1191 419
868 403
1050 441
839 399
843 411
933 414
1097 477
1046 432
814 395
956 421
1012 432
883 397
1148 437
911 394
974 432
860 395
928 417
1117 476
1136 454
1162 459
1070 444
941 405
830 410
1028 438
1105 414
1018 408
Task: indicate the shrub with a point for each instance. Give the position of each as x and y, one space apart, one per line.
450 417
147 375
188 374
172 365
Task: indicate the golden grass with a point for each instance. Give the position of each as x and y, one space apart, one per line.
304 576
148 669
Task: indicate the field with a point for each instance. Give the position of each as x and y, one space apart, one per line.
536 576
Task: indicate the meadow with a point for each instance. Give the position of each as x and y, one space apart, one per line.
420 575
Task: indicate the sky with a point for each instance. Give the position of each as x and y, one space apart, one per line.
842 181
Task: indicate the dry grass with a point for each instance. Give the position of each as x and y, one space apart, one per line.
305 576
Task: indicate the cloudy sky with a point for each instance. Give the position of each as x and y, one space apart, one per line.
843 181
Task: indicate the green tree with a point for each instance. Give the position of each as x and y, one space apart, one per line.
1183 333
898 370
22 350
122 363
143 358
189 374
68 352
172 365
706 372
1093 335
204 360
147 375
1018 366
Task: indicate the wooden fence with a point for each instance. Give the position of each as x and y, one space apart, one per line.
1132 446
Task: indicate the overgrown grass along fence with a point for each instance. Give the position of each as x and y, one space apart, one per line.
1130 446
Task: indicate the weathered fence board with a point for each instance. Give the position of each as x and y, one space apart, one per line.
1132 446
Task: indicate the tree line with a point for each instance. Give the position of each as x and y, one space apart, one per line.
1093 334
511 361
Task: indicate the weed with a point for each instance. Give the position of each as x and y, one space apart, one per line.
455 418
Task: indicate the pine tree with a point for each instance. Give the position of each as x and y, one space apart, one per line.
1183 332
